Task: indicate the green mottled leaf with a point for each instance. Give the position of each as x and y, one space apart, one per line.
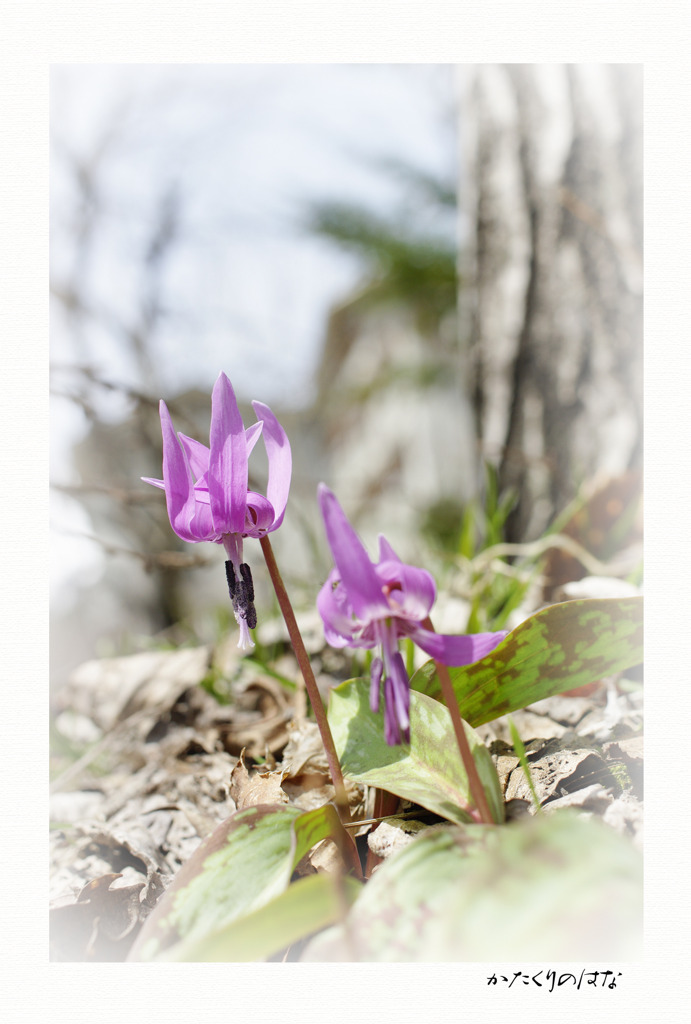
429 771
550 888
246 862
559 648
304 908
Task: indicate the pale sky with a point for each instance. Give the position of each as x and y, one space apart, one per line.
248 290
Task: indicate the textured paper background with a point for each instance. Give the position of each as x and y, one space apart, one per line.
32 36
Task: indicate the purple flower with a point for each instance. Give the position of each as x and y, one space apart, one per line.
368 605
207 494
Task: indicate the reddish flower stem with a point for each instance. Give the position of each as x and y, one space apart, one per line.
477 790
341 799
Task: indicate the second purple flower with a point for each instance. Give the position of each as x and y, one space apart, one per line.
366 604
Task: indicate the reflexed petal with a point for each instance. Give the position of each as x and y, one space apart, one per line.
355 569
412 590
280 460
455 650
386 552
228 460
197 456
252 435
340 627
202 525
260 515
156 483
179 485
335 639
201 493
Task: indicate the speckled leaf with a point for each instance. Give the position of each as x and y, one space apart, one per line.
429 771
559 648
543 889
303 909
246 862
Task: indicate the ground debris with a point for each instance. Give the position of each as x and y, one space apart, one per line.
583 752
98 924
392 835
557 772
162 762
109 690
157 780
248 790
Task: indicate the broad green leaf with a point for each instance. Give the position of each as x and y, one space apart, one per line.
246 862
304 908
429 771
559 648
554 887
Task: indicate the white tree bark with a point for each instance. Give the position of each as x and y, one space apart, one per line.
550 295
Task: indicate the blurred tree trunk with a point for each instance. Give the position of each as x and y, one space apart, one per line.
551 275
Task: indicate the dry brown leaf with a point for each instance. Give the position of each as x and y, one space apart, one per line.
304 753
325 857
595 799
629 750
260 719
249 789
625 814
391 836
111 689
558 772
99 924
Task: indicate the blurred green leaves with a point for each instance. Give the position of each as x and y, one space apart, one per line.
243 865
549 888
407 263
461 533
304 908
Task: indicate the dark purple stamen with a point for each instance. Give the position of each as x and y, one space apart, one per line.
232 582
246 574
251 616
242 593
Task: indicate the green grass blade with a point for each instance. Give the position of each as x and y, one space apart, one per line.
519 749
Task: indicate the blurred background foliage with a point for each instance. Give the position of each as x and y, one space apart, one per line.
433 276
